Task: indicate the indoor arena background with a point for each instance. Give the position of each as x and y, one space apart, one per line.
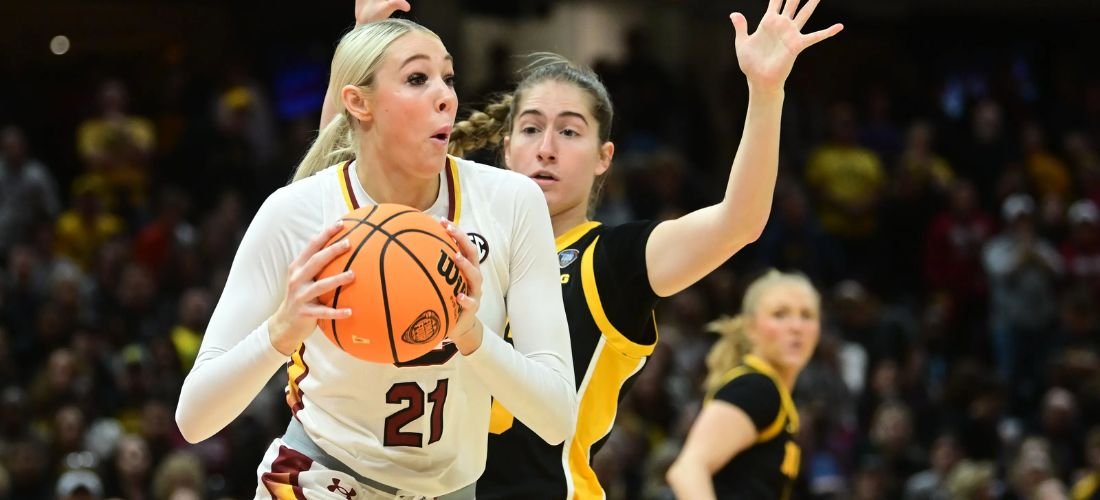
980 121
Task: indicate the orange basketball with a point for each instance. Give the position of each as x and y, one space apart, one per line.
403 297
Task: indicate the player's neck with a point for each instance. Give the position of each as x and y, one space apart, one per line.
788 379
391 184
786 375
569 219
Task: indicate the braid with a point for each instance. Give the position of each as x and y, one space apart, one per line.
483 128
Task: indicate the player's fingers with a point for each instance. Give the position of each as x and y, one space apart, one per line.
820 35
463 240
328 284
740 27
467 304
773 6
805 13
321 259
471 273
403 6
317 243
324 312
790 7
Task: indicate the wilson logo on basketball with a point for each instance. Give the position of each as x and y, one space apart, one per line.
449 271
424 329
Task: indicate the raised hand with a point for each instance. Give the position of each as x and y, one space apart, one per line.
767 55
367 11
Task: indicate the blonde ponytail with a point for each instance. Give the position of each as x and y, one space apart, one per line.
483 128
728 352
335 144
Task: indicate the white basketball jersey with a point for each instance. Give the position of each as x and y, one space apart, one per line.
420 427
407 425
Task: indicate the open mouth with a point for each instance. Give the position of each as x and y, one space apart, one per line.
544 176
442 134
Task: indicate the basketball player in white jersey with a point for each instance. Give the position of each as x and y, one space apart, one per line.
365 430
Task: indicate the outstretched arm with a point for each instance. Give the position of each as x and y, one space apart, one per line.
719 231
366 11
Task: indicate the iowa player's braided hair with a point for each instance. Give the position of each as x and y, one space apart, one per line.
483 129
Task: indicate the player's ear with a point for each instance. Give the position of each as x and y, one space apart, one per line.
607 152
357 102
507 154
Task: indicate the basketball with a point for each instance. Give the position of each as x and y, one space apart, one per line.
403 297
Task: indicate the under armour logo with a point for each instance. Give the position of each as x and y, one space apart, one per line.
336 488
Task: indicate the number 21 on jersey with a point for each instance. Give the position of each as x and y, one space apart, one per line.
410 394
414 399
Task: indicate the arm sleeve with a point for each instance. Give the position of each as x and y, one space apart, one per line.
236 358
622 278
535 380
754 394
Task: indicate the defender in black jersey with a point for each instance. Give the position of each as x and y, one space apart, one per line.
768 468
742 445
610 312
556 128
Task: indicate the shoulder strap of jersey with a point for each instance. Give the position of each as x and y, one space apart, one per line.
787 408
344 174
571 236
454 190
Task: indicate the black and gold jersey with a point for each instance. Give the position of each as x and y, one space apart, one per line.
609 304
768 468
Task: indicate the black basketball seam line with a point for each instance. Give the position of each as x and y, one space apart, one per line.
377 227
382 271
386 297
359 222
420 231
403 231
363 221
336 293
392 237
438 293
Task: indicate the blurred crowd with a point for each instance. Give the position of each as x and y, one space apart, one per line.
956 245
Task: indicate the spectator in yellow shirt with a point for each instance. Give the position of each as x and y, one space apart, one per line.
847 178
84 228
117 145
